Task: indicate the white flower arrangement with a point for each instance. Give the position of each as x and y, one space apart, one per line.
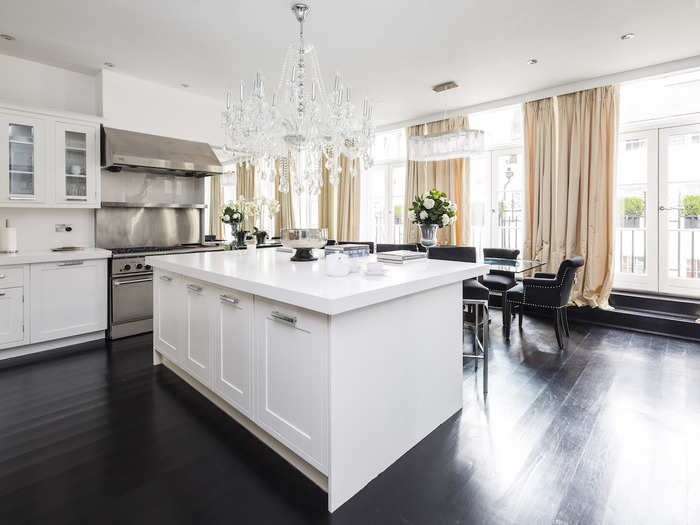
433 207
234 212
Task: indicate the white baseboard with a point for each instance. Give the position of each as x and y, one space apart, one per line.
50 345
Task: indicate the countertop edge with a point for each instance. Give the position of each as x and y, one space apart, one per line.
312 302
41 256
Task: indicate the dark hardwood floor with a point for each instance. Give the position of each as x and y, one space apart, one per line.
606 432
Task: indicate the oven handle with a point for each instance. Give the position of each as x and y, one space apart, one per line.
135 281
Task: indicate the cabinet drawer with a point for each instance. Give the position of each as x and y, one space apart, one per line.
11 277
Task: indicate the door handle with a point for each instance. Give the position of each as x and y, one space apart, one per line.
71 263
194 288
135 281
165 278
285 318
662 208
227 299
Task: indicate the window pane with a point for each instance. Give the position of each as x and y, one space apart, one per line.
669 95
631 207
390 146
683 197
373 215
509 201
479 200
501 126
398 190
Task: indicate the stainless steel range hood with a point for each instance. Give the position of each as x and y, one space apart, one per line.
168 156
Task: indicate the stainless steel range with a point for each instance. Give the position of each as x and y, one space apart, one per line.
131 287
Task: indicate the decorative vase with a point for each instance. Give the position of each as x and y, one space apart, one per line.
260 237
428 235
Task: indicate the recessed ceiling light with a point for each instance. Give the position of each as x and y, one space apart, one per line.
532 61
7 37
627 36
108 64
185 85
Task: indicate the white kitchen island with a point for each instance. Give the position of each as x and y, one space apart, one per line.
339 375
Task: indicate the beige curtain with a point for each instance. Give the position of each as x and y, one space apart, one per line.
216 201
450 176
327 204
348 224
245 188
580 216
285 217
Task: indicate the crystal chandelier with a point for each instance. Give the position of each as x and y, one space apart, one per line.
447 145
304 127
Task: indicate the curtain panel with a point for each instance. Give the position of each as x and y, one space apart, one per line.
327 204
574 215
348 224
216 202
245 188
450 176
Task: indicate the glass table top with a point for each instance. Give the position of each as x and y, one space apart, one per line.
512 265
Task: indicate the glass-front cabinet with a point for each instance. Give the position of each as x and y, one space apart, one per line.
75 163
21 166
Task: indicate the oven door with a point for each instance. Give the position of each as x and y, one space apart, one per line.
132 298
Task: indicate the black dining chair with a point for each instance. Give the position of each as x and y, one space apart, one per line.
330 242
545 290
369 243
500 281
475 295
381 247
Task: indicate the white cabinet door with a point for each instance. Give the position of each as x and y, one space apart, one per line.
232 359
11 316
68 298
76 168
198 330
291 378
169 315
22 169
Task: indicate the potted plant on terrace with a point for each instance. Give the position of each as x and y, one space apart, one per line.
431 211
633 211
691 211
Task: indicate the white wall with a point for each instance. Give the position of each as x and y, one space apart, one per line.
139 105
33 84
36 227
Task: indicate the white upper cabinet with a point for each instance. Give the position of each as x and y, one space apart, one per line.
48 161
76 164
22 169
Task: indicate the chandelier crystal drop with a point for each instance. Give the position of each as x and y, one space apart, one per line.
304 128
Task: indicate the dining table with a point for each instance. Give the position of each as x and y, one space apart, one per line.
517 266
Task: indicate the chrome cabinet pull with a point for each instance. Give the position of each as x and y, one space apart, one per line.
2 294
231 300
71 263
18 198
76 199
2 275
285 318
135 281
165 278
194 288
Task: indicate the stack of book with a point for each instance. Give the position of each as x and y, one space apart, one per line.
351 250
400 256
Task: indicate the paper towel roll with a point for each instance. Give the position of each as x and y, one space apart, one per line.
8 239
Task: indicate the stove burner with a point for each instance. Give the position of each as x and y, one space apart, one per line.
149 249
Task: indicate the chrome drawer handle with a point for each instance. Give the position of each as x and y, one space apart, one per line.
165 278
76 198
2 294
71 263
135 281
291 319
17 198
194 288
231 300
2 275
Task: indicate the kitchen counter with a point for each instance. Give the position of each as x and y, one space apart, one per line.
270 274
44 256
341 376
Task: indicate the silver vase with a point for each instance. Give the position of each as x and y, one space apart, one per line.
428 235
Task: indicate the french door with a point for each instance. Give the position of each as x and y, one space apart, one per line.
657 223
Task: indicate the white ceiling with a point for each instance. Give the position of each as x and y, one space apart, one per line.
391 50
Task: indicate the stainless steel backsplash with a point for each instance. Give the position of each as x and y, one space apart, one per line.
135 227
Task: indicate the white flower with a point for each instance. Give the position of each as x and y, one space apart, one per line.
236 216
452 206
225 218
443 199
428 204
423 215
412 216
426 195
453 219
445 219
